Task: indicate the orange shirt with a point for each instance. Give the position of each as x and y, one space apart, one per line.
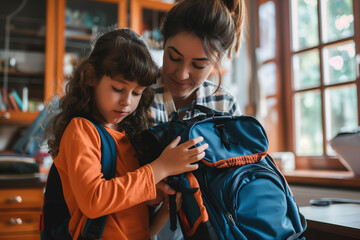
87 194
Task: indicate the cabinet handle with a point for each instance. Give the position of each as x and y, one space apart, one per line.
5 115
15 221
15 199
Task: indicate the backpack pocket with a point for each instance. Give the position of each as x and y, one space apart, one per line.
231 135
257 203
194 219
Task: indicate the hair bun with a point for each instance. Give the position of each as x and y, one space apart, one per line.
237 10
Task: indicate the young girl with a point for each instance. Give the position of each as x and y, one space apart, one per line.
111 86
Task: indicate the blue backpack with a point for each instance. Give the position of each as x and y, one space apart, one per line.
237 192
55 216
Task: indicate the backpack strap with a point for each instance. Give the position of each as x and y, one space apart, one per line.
301 234
95 227
108 151
174 182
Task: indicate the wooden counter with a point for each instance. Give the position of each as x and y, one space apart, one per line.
333 179
333 222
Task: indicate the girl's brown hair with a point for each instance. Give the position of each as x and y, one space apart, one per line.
117 52
218 24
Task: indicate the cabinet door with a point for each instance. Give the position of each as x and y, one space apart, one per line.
146 18
79 21
22 56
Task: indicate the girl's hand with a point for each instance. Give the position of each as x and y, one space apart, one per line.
178 159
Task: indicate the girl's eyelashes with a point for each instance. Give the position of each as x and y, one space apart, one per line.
116 89
174 59
139 93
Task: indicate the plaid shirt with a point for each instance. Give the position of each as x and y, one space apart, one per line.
221 100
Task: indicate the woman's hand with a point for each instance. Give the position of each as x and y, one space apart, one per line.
178 159
162 192
162 215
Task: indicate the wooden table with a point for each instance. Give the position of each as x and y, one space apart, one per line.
333 222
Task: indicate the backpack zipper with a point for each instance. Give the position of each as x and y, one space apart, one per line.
230 217
205 189
210 198
260 169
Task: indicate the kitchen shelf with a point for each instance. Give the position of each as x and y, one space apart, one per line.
78 37
13 72
11 116
27 32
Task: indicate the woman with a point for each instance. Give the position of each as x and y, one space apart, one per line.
197 34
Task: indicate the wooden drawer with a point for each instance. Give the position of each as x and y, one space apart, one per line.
30 236
19 222
21 198
20 210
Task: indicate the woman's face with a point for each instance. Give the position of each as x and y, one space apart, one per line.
185 65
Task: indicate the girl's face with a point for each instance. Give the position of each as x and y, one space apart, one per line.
117 98
185 65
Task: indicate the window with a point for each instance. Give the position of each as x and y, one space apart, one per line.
267 58
316 71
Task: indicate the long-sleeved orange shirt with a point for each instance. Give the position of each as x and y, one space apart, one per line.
87 194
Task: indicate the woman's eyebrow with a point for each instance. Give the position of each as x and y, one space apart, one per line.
195 59
175 50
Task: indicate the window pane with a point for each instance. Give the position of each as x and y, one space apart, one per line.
308 126
304 24
267 36
306 69
339 63
338 18
341 111
267 78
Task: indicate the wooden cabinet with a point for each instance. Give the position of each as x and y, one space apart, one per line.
73 41
53 34
77 21
20 213
26 38
59 40
147 14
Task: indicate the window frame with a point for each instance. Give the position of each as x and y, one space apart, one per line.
309 162
274 129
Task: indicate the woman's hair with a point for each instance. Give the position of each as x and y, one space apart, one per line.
218 24
119 52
